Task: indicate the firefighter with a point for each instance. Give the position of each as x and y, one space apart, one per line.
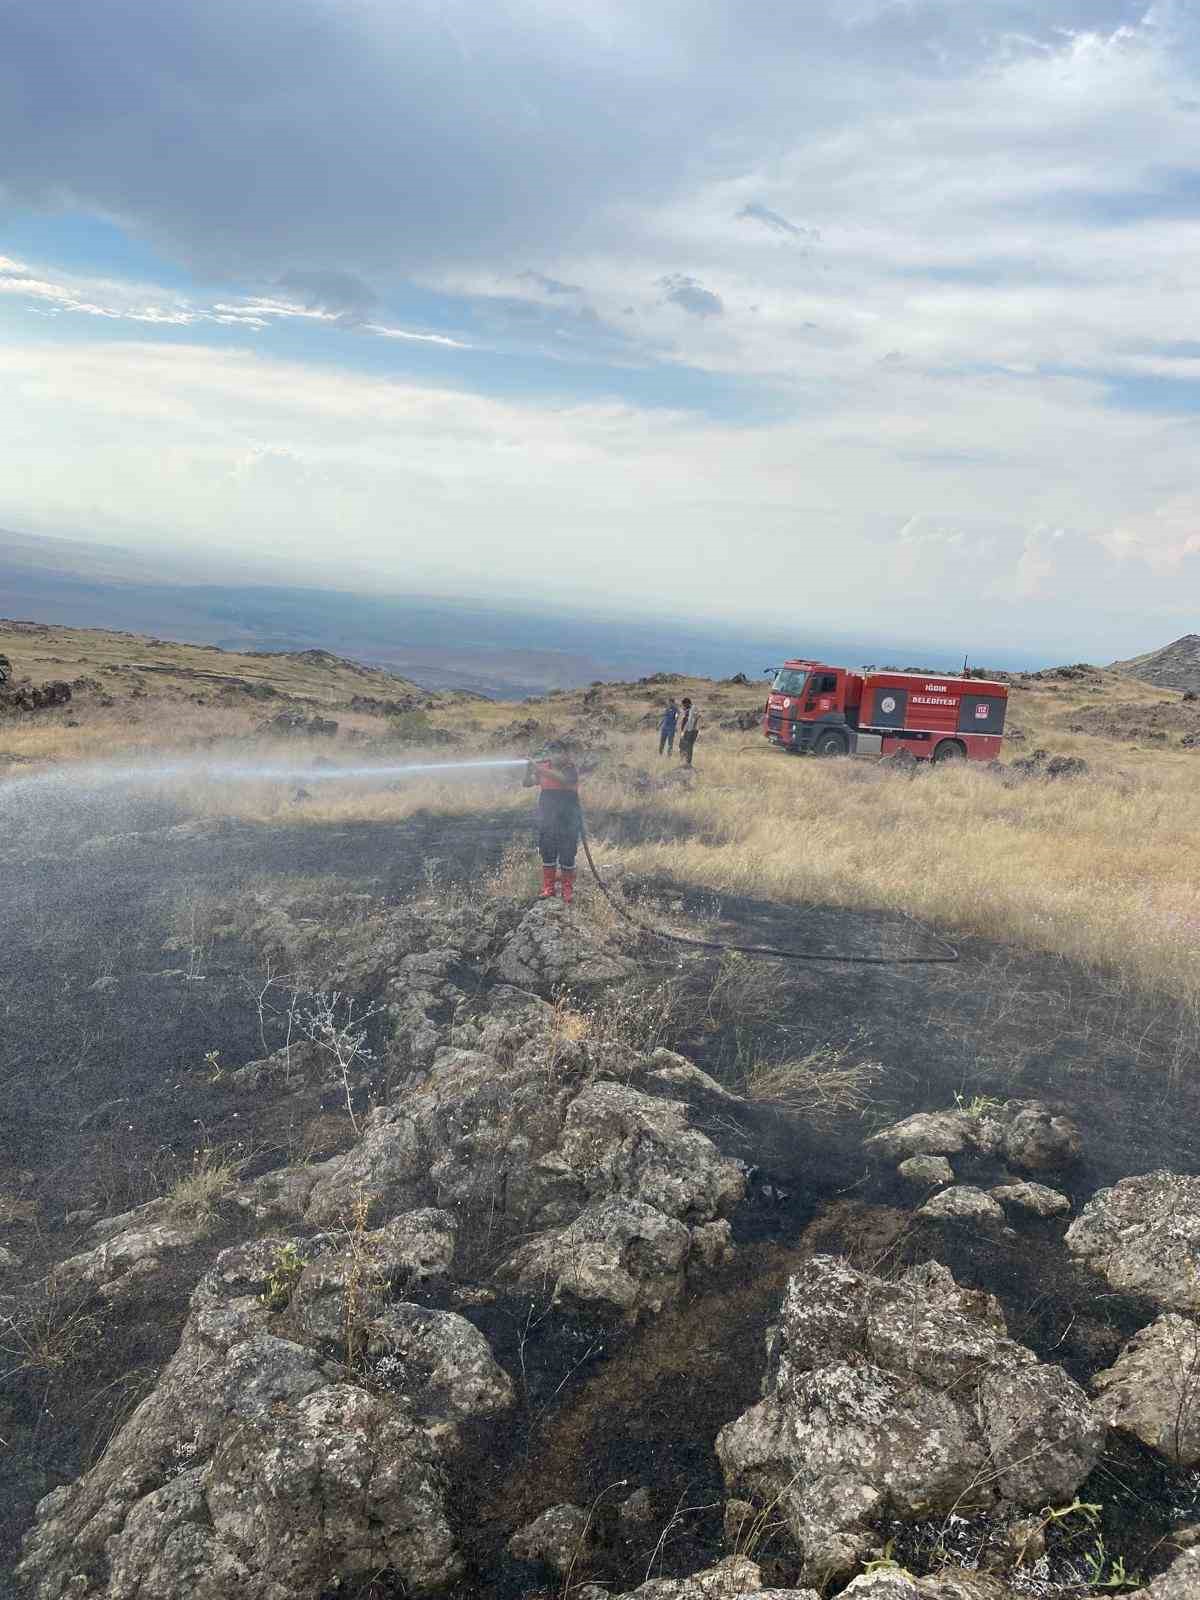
556 777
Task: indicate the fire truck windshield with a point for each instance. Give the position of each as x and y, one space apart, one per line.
789 681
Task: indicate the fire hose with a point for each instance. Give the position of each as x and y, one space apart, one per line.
950 952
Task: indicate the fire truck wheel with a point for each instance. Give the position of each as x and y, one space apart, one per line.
949 750
831 744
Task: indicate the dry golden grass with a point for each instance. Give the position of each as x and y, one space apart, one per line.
200 1191
1104 869
821 1086
47 652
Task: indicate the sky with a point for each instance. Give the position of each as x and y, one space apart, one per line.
878 313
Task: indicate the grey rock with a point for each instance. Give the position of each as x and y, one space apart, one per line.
620 1253
1143 1237
415 1246
1181 1581
1043 1436
928 1133
1026 1134
560 1538
256 1471
964 1203
944 1585
442 1366
712 1242
637 1511
1034 1198
1036 1139
906 1395
386 1168
279 1197
619 1141
1152 1390
930 1172
126 1263
730 1579
552 949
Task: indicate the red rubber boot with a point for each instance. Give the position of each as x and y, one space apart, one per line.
548 883
566 877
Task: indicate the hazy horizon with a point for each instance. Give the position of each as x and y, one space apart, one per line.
483 643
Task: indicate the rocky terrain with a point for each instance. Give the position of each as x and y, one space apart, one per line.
368 1229
566 1313
1174 666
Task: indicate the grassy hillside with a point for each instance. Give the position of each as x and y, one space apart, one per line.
1103 867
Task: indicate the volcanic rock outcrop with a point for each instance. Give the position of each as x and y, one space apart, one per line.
257 1468
907 1396
1143 1237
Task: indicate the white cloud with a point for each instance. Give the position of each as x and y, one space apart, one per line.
415 338
855 518
123 302
944 242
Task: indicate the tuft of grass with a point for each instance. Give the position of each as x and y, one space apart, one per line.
821 1086
47 1332
200 1191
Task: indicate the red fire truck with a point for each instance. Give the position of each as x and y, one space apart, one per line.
831 712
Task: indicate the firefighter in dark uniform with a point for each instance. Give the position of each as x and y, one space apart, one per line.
557 779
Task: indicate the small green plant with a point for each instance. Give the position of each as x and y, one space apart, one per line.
283 1278
1087 1509
885 1561
1102 1571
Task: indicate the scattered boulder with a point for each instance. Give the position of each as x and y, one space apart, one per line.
1026 1134
928 1133
620 1141
26 696
745 721
551 950
443 1369
928 1172
1153 1389
1143 1237
1035 1199
364 1269
294 724
904 1395
731 1579
636 1512
891 1583
963 1203
1035 1139
1041 764
560 1538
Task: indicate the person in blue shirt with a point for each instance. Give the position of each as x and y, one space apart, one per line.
666 729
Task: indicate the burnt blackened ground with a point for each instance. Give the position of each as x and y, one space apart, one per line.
105 1091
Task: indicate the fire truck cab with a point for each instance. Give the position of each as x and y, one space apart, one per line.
828 711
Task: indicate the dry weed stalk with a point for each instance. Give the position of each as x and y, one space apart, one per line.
821 1086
